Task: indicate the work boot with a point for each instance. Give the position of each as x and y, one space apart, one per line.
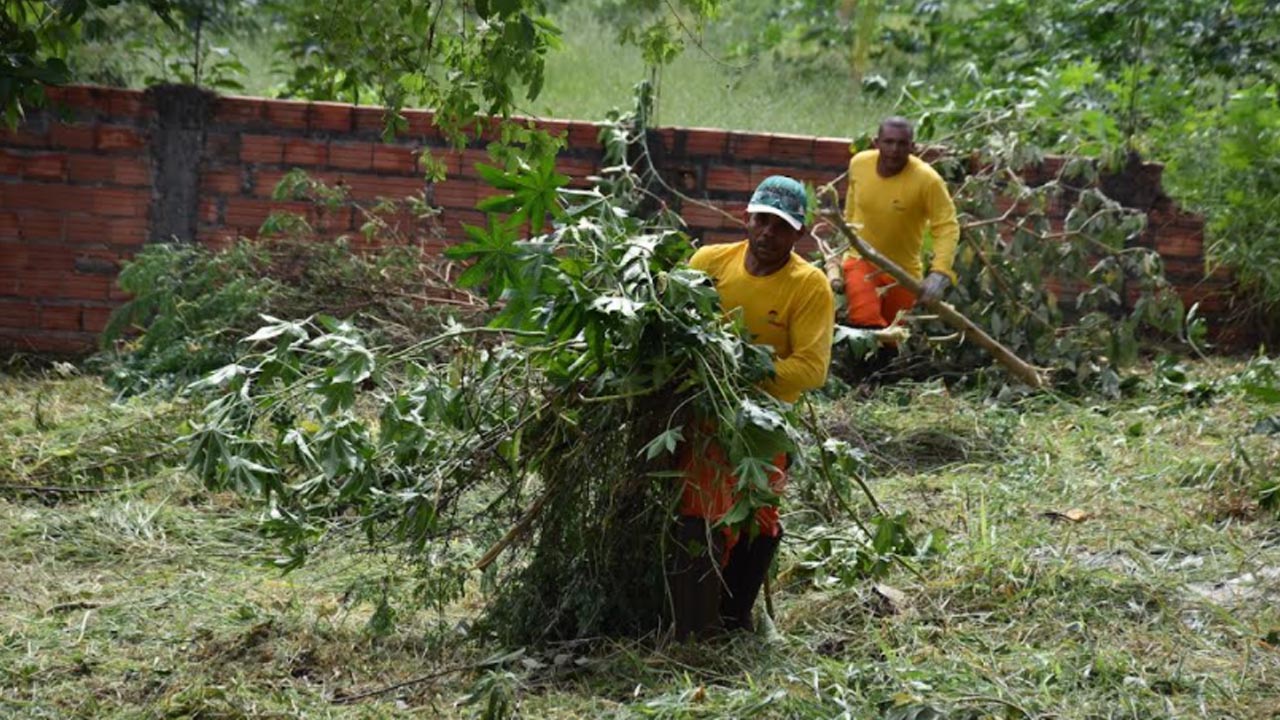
749 562
694 578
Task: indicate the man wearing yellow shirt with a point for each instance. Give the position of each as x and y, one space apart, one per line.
893 197
787 304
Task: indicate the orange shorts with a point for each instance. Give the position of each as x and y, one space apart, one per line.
871 303
710 489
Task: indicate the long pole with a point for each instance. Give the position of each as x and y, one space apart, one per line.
1016 365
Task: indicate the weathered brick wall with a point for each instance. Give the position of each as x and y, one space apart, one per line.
85 183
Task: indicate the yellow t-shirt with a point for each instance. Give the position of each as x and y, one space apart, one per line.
791 311
893 212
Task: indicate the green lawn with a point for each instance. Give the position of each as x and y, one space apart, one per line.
1100 560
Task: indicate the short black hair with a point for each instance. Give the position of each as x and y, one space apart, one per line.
897 121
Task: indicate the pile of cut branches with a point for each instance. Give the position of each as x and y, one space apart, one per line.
191 304
559 427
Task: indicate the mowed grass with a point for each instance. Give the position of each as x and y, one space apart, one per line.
1101 560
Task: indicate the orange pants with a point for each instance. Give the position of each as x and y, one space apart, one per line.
710 489
871 304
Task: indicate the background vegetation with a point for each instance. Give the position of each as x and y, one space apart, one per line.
1191 84
1108 553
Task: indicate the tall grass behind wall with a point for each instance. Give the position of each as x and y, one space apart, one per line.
591 74
703 87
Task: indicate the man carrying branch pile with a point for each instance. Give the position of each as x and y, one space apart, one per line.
787 304
893 196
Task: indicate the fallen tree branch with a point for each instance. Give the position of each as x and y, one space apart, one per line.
490 662
1016 365
520 528
57 490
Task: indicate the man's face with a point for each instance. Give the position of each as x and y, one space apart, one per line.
895 144
770 239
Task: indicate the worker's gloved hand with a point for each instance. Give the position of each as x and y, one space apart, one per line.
934 287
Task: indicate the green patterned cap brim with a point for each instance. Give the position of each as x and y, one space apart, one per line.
782 196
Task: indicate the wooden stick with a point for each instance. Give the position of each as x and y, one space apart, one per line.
1016 365
516 530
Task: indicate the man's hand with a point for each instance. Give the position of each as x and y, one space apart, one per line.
934 287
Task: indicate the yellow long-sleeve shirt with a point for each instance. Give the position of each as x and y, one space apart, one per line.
791 310
893 212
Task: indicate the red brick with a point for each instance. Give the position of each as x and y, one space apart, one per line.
222 182
235 110
222 147
712 237
395 159
748 146
55 317
832 153
8 226
369 120
371 187
351 156
35 196
289 114
330 117
71 97
814 176
117 202
19 314
128 232
264 181
10 163
249 213
791 147
210 210
127 103
703 141
118 137
578 169
261 149
22 137
94 319
584 135
700 216
118 169
456 193
42 285
422 124
60 343
1180 245
117 233
665 137
305 152
215 238
462 163
729 179
71 137
84 229
40 225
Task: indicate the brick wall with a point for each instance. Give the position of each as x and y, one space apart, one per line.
85 183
